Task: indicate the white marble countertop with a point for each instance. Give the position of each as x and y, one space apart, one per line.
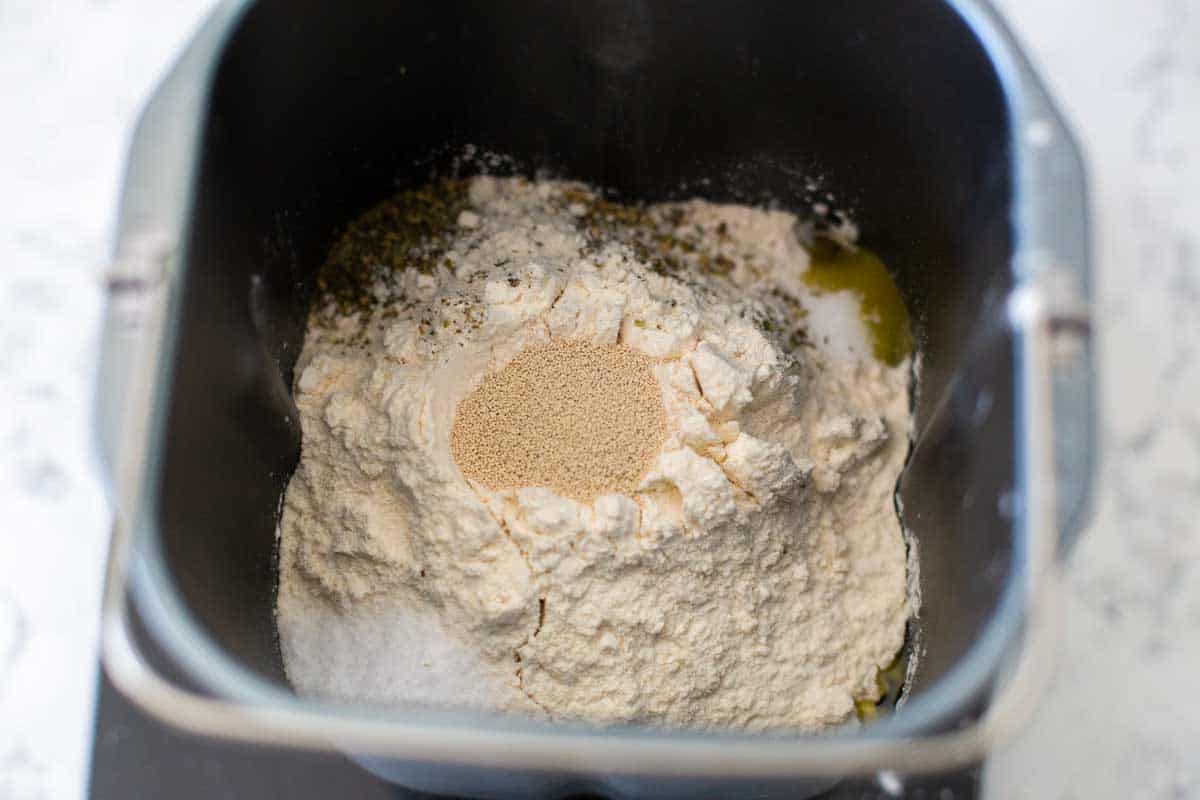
1120 720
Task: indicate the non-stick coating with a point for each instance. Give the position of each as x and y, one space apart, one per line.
321 109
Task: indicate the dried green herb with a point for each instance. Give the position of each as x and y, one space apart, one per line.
415 228
411 229
652 234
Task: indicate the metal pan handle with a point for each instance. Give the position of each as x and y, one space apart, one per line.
304 724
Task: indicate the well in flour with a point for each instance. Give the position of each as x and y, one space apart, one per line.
578 418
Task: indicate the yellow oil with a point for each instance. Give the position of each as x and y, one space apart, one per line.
834 268
867 710
888 681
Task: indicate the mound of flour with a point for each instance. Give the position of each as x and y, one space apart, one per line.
744 566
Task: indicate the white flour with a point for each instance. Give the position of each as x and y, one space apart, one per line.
756 578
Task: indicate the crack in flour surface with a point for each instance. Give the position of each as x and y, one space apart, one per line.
557 474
